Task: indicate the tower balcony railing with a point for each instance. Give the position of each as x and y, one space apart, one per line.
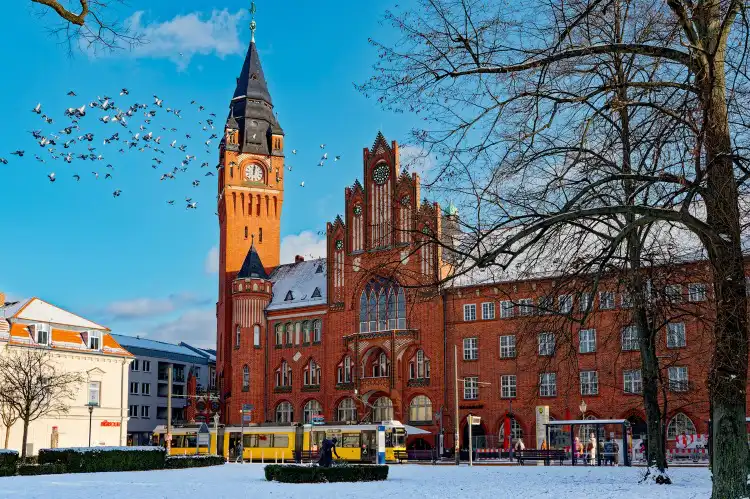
375 384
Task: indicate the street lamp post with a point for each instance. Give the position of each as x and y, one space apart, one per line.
91 417
510 432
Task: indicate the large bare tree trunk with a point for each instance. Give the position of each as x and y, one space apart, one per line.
7 436
25 437
728 375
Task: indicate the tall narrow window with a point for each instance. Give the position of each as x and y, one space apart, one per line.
317 331
237 336
382 306
245 378
260 234
279 334
256 335
306 333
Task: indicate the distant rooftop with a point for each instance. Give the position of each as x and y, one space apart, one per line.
160 349
300 284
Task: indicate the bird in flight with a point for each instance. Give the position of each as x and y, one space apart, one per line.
37 109
117 193
51 177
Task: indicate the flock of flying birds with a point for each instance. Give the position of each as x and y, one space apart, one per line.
137 127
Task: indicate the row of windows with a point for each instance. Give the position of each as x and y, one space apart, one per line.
140 388
588 381
144 413
420 410
42 335
294 333
141 365
676 338
524 307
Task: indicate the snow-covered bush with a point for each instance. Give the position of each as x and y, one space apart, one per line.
93 459
194 461
8 460
317 474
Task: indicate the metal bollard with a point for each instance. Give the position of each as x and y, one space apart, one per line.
262 456
275 457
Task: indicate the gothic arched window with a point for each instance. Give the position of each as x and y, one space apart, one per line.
420 409
284 412
312 408
419 366
311 374
382 306
279 334
317 331
344 372
382 410
347 410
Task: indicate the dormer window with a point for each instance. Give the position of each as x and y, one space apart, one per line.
289 296
319 270
95 340
43 334
316 293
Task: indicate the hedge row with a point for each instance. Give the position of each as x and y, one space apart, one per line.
94 459
316 474
8 460
41 469
199 461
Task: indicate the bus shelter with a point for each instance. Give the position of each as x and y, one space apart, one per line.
599 429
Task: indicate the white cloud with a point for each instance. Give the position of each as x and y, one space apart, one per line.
140 308
306 243
195 326
184 36
211 265
416 159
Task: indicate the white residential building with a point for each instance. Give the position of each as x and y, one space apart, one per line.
77 345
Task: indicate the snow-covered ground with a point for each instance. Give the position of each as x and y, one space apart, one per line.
247 480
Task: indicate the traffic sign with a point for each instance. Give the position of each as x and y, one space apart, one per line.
247 407
318 419
246 418
475 420
204 439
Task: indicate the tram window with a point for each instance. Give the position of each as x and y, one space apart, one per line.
190 441
281 441
318 437
350 440
264 440
388 439
250 440
399 438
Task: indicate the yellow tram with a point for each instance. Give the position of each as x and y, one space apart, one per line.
269 442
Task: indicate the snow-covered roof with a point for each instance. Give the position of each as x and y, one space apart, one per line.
36 310
295 285
159 349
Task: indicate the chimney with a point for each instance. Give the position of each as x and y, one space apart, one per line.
299 258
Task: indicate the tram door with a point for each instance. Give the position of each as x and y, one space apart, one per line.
369 446
234 441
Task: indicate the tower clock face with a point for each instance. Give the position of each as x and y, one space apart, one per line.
253 173
380 174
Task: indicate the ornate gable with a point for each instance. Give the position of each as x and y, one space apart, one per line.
380 146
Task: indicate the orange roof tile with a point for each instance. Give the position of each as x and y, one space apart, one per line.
67 340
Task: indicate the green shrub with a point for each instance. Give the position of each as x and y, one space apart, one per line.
41 469
94 459
195 461
317 474
8 460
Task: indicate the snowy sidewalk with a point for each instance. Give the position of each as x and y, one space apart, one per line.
247 480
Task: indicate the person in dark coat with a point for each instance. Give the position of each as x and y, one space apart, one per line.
327 449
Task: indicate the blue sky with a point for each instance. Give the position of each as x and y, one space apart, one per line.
134 263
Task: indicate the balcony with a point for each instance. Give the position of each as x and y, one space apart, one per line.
418 382
385 334
282 389
375 384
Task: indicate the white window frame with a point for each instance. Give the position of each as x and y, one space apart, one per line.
673 293
470 312
471 348
146 389
589 381
548 385
676 335
587 340
697 292
135 365
133 411
145 412
47 330
471 388
679 380
585 300
508 346
565 304
632 343
606 300
134 384
525 307
506 309
95 387
94 335
146 366
546 344
508 386
632 381
488 310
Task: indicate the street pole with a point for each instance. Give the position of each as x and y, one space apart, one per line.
470 420
91 416
510 432
456 421
169 408
241 457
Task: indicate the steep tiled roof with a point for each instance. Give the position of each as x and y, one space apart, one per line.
62 339
301 279
36 310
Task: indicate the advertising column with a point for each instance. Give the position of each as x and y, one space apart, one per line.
542 418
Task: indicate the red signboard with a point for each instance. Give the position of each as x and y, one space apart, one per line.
110 423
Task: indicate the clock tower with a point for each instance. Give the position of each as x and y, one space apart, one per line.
250 199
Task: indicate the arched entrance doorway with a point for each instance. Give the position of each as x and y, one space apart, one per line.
638 426
478 436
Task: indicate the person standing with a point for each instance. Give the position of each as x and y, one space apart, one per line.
592 449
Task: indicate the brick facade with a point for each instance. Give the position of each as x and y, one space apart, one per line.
382 242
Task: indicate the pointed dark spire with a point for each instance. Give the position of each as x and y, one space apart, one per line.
252 83
252 268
